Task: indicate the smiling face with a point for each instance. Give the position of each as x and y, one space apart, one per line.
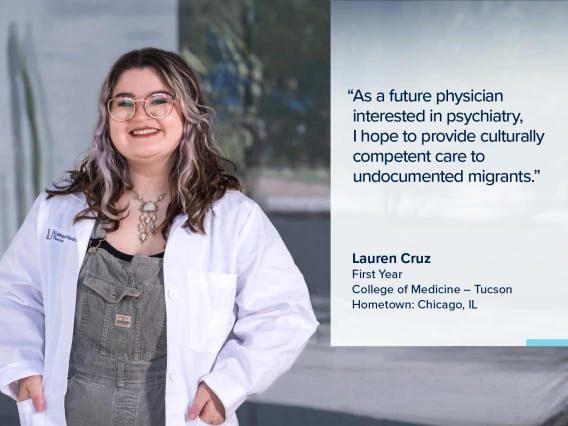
144 139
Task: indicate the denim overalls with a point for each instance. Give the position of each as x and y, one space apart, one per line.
117 370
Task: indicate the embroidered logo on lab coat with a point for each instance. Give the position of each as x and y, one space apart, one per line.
54 235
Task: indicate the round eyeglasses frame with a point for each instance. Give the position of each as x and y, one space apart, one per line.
140 100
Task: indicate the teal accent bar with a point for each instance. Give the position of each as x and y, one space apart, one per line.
547 342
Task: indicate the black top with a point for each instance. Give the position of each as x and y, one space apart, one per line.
116 253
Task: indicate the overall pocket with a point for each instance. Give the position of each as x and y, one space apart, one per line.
109 317
211 305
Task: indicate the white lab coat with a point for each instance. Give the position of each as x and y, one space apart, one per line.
238 309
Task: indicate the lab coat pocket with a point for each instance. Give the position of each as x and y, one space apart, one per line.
231 421
27 412
211 304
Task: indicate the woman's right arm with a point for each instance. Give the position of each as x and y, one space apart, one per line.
22 322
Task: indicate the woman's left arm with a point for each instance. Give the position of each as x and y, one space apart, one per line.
275 317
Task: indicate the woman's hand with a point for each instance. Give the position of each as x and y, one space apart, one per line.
207 406
31 387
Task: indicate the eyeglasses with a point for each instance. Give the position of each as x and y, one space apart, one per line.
123 108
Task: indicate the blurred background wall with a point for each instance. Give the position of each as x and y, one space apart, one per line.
264 67
55 55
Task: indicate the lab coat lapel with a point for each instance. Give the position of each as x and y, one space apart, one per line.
73 260
83 229
178 221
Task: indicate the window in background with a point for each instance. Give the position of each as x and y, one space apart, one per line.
264 66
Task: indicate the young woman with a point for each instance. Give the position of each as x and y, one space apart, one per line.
145 289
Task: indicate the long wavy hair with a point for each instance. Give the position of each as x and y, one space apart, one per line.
198 174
